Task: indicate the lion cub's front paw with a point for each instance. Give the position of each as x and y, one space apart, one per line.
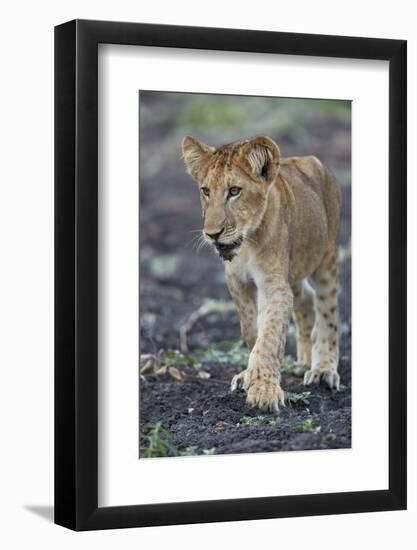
267 396
238 381
328 374
264 394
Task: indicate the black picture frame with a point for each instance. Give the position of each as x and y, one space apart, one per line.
76 272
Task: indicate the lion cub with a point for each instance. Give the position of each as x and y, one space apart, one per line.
275 222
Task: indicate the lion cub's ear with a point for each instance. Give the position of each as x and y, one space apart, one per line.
263 156
196 155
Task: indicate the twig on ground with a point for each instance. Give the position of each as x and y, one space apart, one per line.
208 306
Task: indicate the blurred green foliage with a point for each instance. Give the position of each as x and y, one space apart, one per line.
174 358
290 366
227 117
301 126
302 398
233 352
156 441
259 420
164 266
277 113
310 425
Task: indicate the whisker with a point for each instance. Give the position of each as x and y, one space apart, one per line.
200 243
205 243
249 239
192 240
196 243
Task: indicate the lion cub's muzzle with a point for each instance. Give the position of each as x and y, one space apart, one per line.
228 250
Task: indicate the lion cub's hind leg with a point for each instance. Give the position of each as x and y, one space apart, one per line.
325 335
304 317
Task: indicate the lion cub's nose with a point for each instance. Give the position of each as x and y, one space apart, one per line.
215 236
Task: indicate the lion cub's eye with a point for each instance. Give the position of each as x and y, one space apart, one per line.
234 191
205 191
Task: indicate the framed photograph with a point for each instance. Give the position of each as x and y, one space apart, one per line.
230 256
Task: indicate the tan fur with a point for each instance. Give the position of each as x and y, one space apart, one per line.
284 225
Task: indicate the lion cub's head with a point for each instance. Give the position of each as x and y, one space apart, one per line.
234 181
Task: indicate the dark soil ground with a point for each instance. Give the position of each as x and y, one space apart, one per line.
190 403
